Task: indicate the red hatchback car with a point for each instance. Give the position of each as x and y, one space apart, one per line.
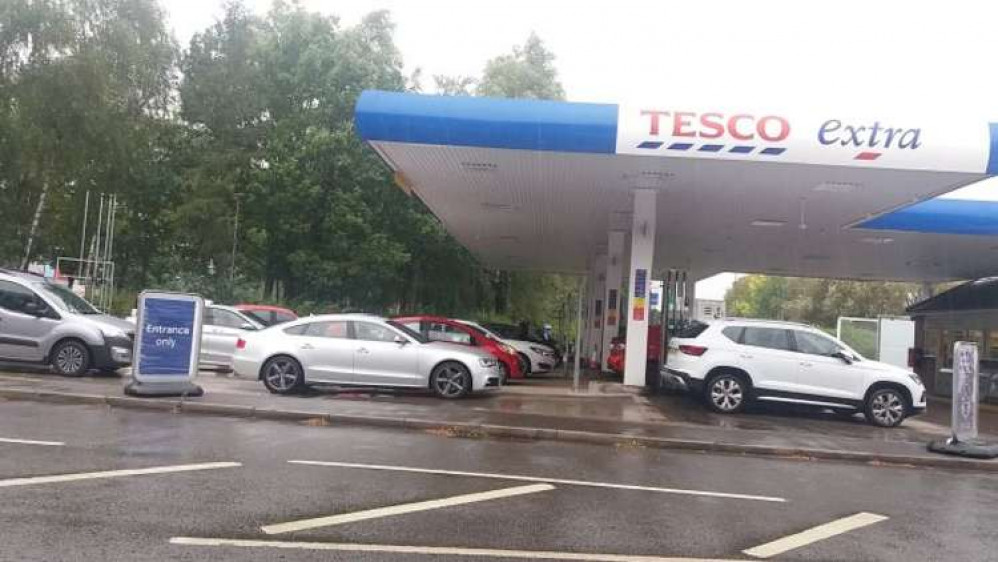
437 328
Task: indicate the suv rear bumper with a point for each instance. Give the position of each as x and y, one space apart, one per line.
693 385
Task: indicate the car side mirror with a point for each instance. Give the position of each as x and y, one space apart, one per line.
843 356
248 326
36 308
400 340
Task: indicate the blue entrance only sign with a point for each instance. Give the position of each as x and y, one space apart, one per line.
168 327
167 344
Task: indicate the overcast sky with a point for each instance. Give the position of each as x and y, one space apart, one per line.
866 58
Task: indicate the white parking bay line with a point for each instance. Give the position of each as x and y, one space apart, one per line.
563 481
31 442
114 473
435 550
815 534
403 508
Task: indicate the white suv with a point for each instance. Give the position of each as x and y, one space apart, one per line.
735 361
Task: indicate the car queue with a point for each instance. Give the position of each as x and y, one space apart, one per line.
46 323
729 363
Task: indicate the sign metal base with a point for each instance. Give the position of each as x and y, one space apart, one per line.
166 388
966 403
971 449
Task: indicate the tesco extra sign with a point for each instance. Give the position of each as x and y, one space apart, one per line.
713 125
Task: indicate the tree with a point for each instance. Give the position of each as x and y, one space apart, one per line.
83 83
816 301
528 72
454 85
245 179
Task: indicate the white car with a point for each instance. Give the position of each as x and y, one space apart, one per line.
534 357
735 361
361 350
223 326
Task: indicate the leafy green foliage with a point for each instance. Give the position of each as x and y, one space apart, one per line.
235 160
816 301
84 84
528 72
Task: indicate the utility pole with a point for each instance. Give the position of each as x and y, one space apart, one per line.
83 232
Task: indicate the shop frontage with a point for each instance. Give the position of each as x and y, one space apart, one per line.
968 312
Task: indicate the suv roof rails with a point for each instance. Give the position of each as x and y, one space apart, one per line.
764 321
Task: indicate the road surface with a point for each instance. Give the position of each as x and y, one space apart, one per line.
84 483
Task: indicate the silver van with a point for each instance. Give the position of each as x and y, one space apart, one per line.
46 323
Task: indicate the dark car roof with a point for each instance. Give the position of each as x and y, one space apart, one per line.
981 294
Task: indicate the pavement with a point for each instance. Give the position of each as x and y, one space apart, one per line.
601 412
80 483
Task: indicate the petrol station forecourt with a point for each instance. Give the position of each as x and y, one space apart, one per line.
622 194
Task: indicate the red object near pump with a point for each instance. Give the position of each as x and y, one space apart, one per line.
618 350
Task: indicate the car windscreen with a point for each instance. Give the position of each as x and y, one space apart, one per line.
484 331
65 299
503 330
408 331
481 331
261 316
281 317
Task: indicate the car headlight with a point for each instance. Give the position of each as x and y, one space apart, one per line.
916 378
541 351
488 362
113 333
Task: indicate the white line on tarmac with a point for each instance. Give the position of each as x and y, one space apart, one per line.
548 480
436 550
403 508
114 473
31 442
815 534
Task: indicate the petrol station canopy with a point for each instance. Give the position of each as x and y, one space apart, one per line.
537 185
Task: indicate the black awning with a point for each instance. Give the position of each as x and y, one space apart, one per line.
981 294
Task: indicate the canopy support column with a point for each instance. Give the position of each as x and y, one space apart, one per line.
614 276
642 256
577 356
595 321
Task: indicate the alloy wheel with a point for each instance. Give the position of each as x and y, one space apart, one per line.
887 408
282 374
726 393
70 359
450 381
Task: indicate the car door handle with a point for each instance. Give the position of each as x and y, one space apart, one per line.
362 350
307 346
746 356
806 364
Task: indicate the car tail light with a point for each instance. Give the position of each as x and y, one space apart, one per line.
695 350
240 343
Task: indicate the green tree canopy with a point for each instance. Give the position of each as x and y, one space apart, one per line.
235 160
816 301
84 85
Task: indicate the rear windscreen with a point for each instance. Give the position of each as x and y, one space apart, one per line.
690 329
